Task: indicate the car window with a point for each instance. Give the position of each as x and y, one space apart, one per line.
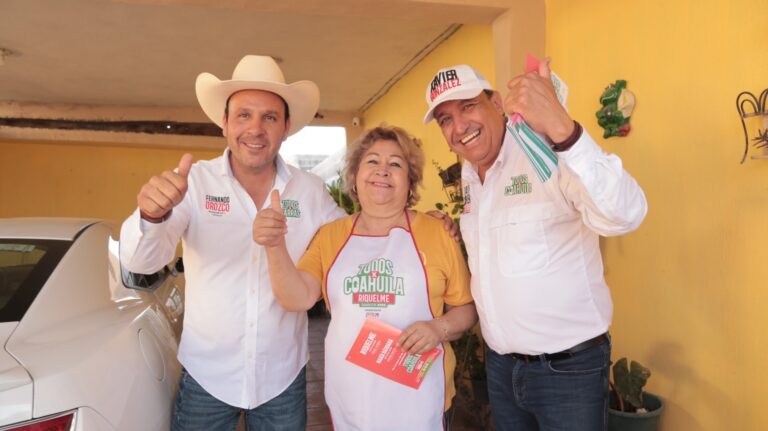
25 266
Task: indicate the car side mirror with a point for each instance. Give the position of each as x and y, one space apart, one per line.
179 266
146 282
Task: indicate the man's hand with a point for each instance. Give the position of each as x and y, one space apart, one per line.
270 225
158 196
533 96
448 224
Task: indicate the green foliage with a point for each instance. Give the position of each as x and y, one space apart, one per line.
454 205
628 382
343 200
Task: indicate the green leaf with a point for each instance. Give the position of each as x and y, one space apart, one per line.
629 382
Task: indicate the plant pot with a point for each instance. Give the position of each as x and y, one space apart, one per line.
623 421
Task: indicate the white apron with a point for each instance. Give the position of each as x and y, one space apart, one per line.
380 276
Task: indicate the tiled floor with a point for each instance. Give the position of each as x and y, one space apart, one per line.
318 418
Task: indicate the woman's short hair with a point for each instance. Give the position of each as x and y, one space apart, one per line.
410 146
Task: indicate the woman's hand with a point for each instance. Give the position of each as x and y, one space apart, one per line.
421 337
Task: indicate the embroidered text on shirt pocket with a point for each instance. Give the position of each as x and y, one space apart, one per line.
521 239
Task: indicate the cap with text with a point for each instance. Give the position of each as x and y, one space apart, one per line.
454 83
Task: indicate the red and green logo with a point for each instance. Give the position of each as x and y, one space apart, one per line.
520 184
375 284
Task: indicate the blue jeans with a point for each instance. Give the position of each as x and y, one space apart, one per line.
566 394
197 410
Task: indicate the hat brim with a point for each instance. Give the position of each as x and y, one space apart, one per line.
302 97
462 94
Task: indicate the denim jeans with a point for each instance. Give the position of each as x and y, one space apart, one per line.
197 410
566 394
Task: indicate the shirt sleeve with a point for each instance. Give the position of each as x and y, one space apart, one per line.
608 198
146 247
457 290
444 263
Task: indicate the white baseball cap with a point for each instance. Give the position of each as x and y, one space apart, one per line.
454 83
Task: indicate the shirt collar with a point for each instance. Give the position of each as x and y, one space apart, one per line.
284 173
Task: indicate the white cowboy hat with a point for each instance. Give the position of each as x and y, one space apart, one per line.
258 72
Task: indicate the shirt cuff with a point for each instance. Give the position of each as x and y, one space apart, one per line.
582 153
147 228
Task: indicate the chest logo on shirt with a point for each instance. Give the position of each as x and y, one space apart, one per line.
520 184
375 284
291 208
217 205
467 201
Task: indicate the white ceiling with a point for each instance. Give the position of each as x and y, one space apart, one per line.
149 52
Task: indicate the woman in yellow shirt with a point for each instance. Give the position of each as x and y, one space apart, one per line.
389 262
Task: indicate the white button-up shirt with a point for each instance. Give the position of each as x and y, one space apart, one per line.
534 253
237 341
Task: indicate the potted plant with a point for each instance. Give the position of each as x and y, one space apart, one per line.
630 408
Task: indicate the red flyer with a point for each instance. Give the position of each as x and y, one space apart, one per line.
376 349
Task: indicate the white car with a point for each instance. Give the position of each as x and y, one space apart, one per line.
81 351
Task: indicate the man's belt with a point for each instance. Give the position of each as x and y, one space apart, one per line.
565 354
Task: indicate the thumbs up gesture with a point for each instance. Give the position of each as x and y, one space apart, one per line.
163 192
270 225
533 96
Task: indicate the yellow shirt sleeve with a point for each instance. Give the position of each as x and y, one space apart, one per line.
446 268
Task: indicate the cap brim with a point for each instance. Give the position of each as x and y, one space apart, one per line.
302 97
466 93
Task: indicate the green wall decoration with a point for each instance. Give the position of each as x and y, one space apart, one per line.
618 103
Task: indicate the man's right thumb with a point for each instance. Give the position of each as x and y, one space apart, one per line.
276 200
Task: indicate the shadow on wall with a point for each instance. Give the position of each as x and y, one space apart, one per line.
669 360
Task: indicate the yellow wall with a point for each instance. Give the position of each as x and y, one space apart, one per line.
404 105
691 285
79 180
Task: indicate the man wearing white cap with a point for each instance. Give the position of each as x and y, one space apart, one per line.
533 214
241 351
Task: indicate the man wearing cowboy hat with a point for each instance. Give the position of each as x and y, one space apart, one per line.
239 348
